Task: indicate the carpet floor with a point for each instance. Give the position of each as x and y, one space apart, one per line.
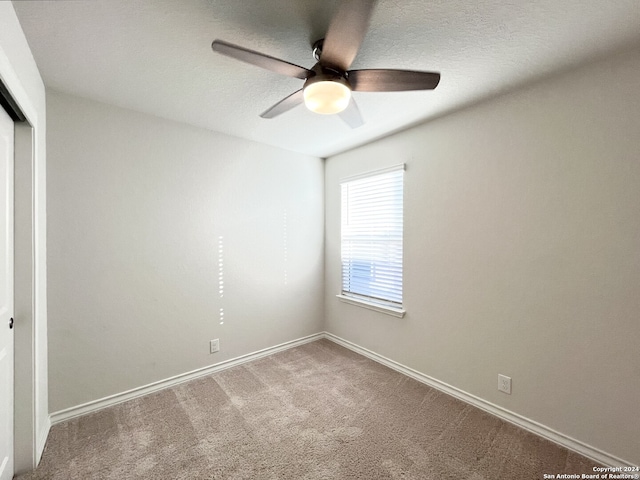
317 411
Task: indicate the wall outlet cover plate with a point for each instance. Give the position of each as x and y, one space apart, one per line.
504 384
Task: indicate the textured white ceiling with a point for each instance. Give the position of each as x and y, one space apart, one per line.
155 56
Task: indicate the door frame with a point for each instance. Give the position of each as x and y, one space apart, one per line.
25 442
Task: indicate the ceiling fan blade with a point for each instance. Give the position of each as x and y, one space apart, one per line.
346 32
260 59
284 105
351 115
386 80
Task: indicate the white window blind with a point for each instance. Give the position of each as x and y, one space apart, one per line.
371 236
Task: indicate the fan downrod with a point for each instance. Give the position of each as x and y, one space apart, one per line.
317 49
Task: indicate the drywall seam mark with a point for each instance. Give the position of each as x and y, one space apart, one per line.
285 245
221 278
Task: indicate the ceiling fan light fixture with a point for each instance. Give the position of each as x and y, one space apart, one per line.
329 83
327 96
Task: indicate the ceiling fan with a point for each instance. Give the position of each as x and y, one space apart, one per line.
329 83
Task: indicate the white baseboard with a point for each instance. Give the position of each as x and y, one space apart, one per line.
532 426
111 400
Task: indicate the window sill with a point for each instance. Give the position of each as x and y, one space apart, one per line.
396 312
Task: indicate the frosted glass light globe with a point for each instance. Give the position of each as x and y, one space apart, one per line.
327 97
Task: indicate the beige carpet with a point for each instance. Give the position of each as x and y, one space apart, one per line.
318 411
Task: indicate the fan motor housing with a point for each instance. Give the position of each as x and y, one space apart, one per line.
326 74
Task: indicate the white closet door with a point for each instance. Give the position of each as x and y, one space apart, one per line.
6 296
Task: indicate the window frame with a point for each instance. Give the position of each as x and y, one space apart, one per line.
388 307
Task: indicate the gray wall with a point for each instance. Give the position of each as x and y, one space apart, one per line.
136 208
522 252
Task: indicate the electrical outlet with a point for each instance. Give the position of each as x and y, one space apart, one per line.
214 346
504 384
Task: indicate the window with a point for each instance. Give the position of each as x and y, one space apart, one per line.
371 240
